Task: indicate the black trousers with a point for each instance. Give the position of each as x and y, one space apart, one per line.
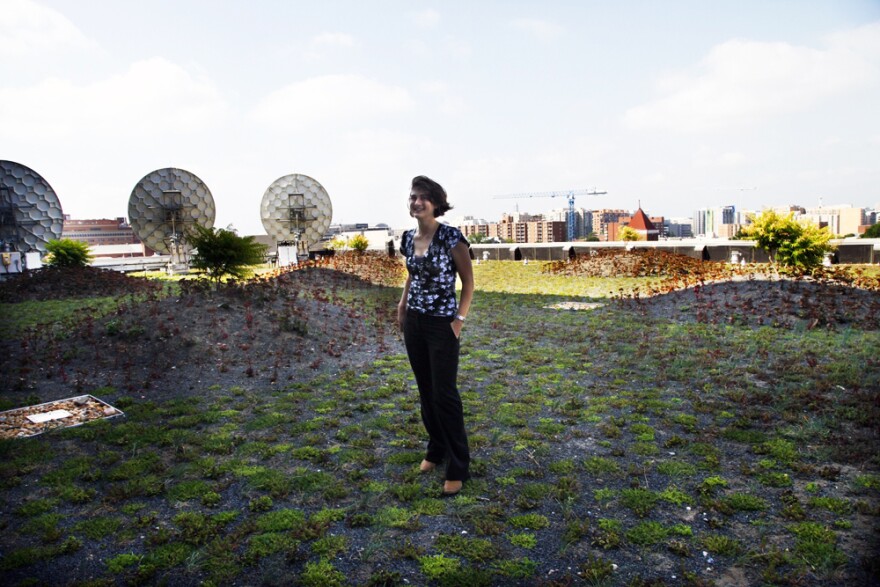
433 349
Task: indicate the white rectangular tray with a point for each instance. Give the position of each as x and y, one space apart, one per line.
33 420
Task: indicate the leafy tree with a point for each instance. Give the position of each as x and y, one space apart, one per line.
628 233
358 243
67 253
592 238
872 232
789 242
476 239
221 252
337 244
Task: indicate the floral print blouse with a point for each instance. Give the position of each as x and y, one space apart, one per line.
432 276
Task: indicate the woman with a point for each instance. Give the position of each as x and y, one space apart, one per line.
431 322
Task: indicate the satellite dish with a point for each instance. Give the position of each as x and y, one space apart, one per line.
296 208
164 205
30 213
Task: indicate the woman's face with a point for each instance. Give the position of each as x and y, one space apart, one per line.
419 204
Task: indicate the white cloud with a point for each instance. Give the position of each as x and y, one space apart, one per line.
152 97
427 18
322 45
540 29
655 179
333 40
446 102
705 158
741 82
28 29
330 100
456 47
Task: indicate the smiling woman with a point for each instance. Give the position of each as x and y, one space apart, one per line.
431 321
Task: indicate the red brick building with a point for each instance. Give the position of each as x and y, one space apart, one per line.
104 231
646 227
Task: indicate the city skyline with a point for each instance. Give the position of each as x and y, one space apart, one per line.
670 104
457 216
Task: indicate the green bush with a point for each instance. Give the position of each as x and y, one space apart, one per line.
788 242
221 252
358 243
67 253
872 232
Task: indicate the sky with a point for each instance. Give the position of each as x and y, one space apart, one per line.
672 105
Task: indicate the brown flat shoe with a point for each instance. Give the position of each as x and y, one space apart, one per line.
451 488
427 466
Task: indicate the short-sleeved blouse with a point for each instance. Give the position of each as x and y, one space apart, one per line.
432 275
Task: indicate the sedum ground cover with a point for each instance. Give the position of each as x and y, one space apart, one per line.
644 442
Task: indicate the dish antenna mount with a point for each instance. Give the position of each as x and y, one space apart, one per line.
296 212
164 207
30 213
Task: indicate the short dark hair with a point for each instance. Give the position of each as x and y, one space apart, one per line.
435 192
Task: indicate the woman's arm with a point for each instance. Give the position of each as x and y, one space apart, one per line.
401 305
462 257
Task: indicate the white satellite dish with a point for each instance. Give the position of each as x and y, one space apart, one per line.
165 205
296 212
30 213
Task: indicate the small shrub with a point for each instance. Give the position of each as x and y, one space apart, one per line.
263 503
712 484
775 479
675 496
867 482
327 516
322 574
529 521
435 566
35 507
394 517
608 534
676 469
595 570
604 494
474 549
120 562
721 545
195 528
640 501
523 540
221 252
563 467
518 568
97 528
67 253
385 578
575 530
70 545
598 465
406 492
281 520
744 502
330 546
832 504
211 499
780 449
647 533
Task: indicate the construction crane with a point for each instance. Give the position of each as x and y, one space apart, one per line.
570 194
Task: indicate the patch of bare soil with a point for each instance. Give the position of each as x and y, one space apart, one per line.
56 283
285 328
690 289
634 263
780 302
